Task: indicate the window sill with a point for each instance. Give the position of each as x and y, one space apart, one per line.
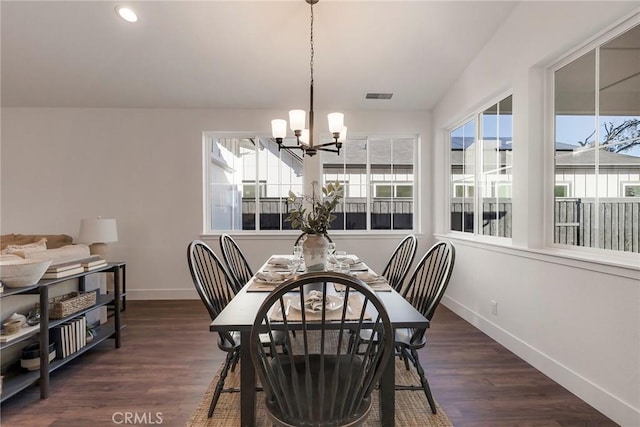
289 234
623 264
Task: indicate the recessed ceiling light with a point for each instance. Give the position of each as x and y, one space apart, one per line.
127 14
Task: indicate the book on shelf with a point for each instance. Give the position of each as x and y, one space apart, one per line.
96 266
63 266
64 273
93 261
81 262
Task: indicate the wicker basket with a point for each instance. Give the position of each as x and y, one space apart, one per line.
68 304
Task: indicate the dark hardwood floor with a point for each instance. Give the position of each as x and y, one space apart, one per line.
168 358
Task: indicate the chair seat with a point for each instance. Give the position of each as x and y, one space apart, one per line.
225 345
402 338
316 415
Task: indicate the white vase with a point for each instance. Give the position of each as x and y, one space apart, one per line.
314 251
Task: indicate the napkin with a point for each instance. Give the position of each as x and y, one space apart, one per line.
272 276
313 302
370 277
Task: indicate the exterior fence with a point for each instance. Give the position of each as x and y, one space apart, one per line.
575 221
618 223
351 215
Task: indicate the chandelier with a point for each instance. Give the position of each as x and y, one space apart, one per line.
297 121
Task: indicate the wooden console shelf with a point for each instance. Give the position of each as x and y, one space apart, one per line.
19 379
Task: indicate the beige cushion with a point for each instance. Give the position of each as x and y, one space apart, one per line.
63 254
40 245
9 257
53 240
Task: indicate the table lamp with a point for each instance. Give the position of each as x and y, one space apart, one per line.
97 232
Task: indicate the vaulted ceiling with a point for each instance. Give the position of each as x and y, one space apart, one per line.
240 54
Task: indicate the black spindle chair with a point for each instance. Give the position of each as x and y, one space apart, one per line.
215 289
322 380
400 262
424 291
236 262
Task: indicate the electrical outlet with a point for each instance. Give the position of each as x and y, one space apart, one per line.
494 307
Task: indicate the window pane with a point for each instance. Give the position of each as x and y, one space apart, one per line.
598 146
239 170
575 150
462 159
378 169
497 139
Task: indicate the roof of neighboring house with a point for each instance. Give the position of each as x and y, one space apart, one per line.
586 157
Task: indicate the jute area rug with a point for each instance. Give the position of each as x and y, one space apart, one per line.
412 408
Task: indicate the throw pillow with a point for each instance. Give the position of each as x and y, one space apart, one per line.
40 245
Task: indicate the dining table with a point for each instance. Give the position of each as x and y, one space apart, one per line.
239 315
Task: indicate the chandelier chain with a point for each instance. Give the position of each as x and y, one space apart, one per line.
311 44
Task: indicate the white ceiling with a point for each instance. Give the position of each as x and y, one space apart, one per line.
240 54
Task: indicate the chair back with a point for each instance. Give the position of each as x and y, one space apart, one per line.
236 262
323 378
430 278
211 280
400 262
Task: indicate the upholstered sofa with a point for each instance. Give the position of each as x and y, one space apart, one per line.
58 247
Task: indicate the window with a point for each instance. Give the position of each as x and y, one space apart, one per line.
378 175
562 189
631 190
481 172
397 190
248 182
597 145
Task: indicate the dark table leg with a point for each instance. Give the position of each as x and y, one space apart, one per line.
247 383
387 394
116 304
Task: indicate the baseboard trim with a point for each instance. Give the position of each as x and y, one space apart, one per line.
161 294
611 406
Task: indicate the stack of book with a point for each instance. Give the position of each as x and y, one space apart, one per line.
69 268
69 337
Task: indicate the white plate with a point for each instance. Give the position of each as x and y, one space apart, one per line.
334 302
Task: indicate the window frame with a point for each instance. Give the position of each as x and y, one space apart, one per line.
478 174
369 184
207 148
549 146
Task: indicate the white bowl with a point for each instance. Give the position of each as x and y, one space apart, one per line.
18 273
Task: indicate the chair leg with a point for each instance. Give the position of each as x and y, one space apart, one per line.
220 385
423 380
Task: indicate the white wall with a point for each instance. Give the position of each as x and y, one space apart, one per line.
144 168
578 322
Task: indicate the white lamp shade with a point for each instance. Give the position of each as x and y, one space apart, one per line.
279 128
336 122
98 230
343 134
304 138
297 119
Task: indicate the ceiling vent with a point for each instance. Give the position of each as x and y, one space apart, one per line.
374 95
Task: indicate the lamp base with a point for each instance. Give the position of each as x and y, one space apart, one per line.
98 249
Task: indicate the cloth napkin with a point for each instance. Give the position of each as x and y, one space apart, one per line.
313 302
370 277
273 276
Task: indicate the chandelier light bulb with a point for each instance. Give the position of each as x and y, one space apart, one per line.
279 128
297 119
336 122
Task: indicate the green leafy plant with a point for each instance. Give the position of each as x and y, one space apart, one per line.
314 216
